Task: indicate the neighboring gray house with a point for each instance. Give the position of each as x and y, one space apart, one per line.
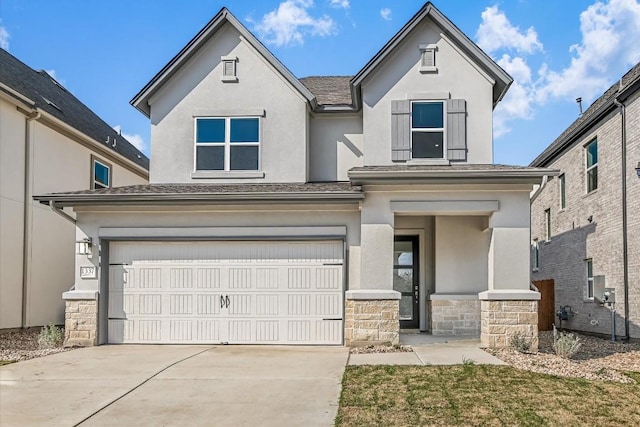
324 210
586 221
49 141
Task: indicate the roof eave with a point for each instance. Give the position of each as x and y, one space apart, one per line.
140 100
449 177
64 200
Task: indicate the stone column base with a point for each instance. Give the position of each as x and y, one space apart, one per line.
455 315
80 319
504 318
371 318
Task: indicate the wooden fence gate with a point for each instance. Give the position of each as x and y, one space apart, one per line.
546 306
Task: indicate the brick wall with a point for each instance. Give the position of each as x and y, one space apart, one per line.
371 322
591 226
455 317
81 323
503 319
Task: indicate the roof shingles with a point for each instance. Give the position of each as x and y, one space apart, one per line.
329 90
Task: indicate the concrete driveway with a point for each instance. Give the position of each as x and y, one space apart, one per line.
175 386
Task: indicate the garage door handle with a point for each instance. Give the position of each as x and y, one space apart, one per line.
224 301
333 318
332 263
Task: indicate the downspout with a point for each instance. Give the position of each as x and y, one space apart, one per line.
625 245
62 213
28 213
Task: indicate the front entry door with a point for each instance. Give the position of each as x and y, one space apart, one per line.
405 279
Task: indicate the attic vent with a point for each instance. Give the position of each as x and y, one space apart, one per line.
229 69
52 104
428 58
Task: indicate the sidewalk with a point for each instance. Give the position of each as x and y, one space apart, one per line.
430 350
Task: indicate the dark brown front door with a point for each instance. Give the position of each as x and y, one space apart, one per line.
405 279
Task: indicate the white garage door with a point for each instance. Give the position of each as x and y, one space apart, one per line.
218 292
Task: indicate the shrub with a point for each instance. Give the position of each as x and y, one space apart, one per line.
51 336
520 343
566 345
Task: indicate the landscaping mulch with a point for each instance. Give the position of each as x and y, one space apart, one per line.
23 345
598 359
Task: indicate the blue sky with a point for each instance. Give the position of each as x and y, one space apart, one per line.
105 52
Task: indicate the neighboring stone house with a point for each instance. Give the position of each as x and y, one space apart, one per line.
49 142
586 221
323 210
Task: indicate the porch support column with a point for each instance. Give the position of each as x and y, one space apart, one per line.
371 312
509 307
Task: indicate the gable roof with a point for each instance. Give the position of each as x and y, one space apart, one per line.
141 100
45 93
502 79
628 84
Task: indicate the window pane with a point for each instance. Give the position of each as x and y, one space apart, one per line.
403 279
209 158
406 308
592 154
427 145
244 130
210 130
563 198
244 158
403 253
592 179
589 269
427 115
101 174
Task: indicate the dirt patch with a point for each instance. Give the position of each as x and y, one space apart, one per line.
23 345
597 359
382 349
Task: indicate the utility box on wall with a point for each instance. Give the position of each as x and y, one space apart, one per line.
599 288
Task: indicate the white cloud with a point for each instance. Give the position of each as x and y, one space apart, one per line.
609 46
339 4
135 139
519 100
385 13
496 32
290 22
4 37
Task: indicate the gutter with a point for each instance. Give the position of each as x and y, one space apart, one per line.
625 245
27 215
213 198
405 176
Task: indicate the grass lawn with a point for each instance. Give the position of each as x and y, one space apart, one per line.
481 395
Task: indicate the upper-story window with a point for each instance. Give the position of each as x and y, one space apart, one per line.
227 144
427 130
563 191
592 165
547 224
100 174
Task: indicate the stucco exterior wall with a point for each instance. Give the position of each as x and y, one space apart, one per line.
197 90
591 226
59 163
399 77
335 146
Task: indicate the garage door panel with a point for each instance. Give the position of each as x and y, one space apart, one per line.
271 292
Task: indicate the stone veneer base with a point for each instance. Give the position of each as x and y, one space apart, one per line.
81 323
503 319
455 317
369 322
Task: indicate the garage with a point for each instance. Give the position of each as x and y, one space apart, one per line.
236 292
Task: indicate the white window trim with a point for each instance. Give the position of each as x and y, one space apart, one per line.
590 282
443 129
93 175
562 190
227 145
547 224
536 255
589 168
428 49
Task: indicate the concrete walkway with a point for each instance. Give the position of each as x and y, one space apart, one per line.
430 350
175 386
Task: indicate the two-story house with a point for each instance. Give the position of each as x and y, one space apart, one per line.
49 142
322 210
586 222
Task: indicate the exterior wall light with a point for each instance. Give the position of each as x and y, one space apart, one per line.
83 247
638 170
